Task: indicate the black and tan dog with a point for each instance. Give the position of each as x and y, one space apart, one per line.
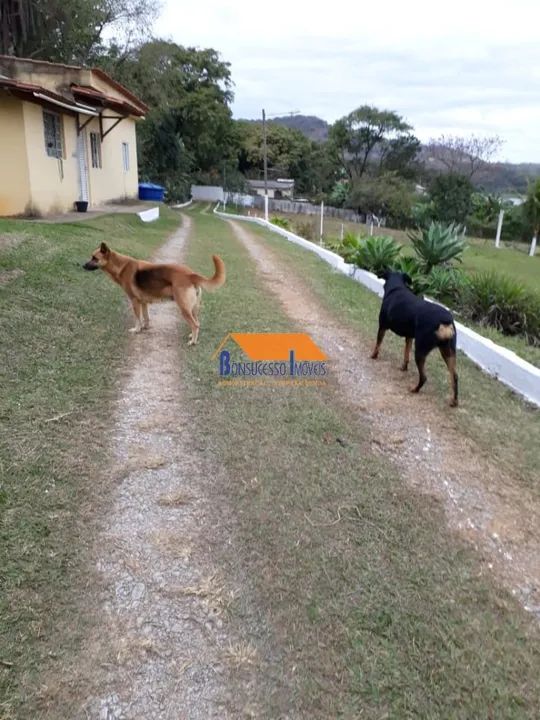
428 324
145 282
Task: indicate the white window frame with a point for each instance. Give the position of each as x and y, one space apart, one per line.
125 156
95 150
54 146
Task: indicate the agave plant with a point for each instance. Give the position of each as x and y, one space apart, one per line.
411 265
437 244
376 253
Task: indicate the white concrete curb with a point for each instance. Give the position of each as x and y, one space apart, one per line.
149 215
497 361
182 205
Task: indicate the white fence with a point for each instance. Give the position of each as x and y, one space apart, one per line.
493 359
207 193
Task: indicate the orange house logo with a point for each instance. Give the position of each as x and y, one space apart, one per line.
271 358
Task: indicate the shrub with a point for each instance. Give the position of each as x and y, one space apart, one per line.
280 222
412 266
335 244
505 304
376 253
437 244
446 284
349 246
305 229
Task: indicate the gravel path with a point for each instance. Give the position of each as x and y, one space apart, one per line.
482 503
164 648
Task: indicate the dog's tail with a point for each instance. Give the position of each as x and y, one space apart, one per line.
216 281
445 331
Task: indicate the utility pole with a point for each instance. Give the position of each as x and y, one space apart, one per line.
265 161
265 157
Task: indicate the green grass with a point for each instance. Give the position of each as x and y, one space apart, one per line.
379 610
63 341
491 414
479 256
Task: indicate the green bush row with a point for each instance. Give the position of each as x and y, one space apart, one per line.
488 298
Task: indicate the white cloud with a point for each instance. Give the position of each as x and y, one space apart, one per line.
455 68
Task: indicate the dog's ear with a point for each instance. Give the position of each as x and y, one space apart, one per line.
407 279
104 248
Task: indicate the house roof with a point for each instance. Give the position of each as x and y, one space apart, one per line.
98 99
76 98
42 96
272 184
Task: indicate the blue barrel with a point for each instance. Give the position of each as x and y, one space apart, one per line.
149 191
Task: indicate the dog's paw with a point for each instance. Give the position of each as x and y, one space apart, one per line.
414 390
374 356
136 329
453 402
404 367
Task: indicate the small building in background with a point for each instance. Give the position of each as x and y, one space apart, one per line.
276 188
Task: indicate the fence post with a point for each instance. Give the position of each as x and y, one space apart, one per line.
341 237
499 229
322 223
532 251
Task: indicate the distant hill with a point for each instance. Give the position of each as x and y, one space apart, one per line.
313 127
496 178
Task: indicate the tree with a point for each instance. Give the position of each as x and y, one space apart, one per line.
388 196
290 154
189 130
451 197
531 209
72 31
368 135
464 155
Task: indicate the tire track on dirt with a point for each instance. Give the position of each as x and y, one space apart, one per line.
164 648
482 503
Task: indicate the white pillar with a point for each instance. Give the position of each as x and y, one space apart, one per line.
341 238
266 208
499 229
532 251
322 223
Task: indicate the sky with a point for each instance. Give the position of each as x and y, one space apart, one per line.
460 67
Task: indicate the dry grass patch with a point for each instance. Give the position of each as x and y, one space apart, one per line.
241 655
176 498
212 593
173 545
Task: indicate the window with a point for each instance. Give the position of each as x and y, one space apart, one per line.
52 125
95 149
125 156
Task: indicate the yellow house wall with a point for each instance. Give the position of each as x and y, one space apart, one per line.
30 180
110 182
14 178
54 182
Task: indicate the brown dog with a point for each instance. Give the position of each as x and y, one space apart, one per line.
145 282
